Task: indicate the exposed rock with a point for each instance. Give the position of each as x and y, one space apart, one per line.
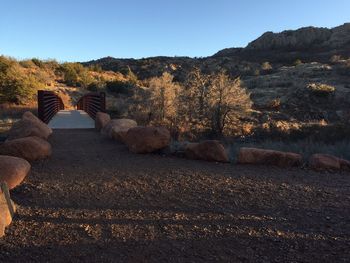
328 162
303 39
119 125
5 214
207 150
29 148
147 139
13 170
101 120
28 126
268 157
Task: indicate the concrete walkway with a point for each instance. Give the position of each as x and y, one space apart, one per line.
72 119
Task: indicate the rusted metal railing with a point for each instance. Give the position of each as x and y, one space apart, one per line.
49 103
92 103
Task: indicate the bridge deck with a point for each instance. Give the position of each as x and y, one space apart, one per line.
72 119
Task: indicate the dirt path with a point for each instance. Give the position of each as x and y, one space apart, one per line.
94 201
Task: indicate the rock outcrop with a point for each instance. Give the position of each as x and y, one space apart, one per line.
207 150
268 157
101 120
29 148
303 39
13 170
147 139
328 162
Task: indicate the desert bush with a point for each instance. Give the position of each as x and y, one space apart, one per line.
120 87
297 62
335 59
266 67
75 74
38 62
27 63
213 103
320 89
16 86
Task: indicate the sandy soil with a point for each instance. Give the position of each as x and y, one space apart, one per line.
93 201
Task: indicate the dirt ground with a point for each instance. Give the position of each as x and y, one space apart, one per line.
93 201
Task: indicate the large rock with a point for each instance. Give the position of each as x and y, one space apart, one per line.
207 150
147 139
5 214
43 126
328 162
268 157
13 170
119 126
101 120
29 148
28 126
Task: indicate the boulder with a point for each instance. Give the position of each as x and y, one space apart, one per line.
120 129
101 120
269 157
328 162
43 126
28 126
5 214
147 139
29 148
207 150
119 125
13 170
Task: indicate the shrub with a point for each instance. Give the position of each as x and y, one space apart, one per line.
297 62
266 67
321 89
38 62
120 87
96 86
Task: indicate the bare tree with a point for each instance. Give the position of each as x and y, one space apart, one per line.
229 102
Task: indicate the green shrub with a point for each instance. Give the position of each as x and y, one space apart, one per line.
120 87
38 62
96 86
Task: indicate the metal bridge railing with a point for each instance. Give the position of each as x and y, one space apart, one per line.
92 103
49 103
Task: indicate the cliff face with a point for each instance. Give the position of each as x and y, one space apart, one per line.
303 39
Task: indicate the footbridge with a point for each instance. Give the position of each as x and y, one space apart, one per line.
51 110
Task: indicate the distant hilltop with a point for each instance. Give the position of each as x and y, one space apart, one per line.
303 39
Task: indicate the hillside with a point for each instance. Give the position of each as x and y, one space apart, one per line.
295 79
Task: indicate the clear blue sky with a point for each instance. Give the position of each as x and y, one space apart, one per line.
80 30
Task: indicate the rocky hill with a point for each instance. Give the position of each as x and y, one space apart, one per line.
308 44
